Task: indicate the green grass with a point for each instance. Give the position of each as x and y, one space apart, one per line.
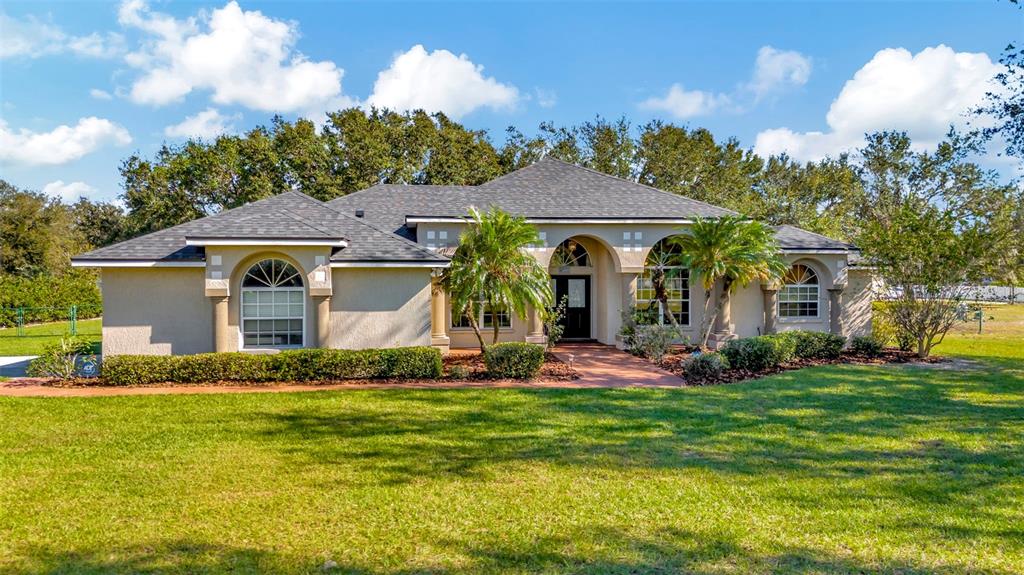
1001 337
840 469
38 337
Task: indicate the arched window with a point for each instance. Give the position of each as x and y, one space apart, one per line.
799 294
570 254
664 264
273 305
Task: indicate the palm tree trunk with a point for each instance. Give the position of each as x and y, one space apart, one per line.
709 320
494 322
476 331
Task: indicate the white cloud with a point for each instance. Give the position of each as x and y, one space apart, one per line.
60 145
242 57
207 124
69 192
922 94
439 81
777 69
545 98
32 38
683 104
100 94
773 70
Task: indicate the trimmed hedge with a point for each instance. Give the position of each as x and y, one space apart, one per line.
815 344
759 353
50 297
290 365
514 359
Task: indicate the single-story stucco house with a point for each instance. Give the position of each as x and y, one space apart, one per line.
357 272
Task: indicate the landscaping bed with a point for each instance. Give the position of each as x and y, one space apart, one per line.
459 365
674 362
468 365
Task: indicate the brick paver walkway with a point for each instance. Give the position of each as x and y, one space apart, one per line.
605 366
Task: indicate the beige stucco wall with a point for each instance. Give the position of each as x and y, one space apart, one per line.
155 311
380 307
857 298
617 258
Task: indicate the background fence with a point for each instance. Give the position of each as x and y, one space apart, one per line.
18 318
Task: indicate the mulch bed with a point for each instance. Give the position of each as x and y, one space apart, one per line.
459 365
673 362
464 365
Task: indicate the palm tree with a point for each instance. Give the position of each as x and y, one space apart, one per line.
491 267
731 249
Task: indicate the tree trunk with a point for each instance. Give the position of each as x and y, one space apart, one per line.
476 331
709 320
494 322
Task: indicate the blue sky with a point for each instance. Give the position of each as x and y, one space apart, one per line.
84 84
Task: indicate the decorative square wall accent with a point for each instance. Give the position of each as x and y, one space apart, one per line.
216 275
320 260
431 234
215 260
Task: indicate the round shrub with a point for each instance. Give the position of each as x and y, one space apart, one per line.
814 344
866 345
759 353
514 359
705 367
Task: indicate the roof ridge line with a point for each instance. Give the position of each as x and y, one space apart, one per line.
814 233
688 198
308 224
391 235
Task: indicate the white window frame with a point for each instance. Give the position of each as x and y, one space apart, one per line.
481 319
242 316
661 311
802 291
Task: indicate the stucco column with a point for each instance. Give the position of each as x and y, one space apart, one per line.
438 325
771 308
535 333
221 340
323 321
835 321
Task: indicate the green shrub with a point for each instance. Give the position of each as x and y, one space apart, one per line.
705 367
60 359
815 344
866 345
49 298
514 359
291 365
759 353
886 331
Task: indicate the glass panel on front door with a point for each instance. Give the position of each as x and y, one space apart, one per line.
577 293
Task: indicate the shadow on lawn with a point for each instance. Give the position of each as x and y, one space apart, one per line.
832 423
587 550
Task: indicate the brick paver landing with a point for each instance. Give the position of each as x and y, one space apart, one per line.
606 366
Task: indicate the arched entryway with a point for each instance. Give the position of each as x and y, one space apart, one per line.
583 272
571 272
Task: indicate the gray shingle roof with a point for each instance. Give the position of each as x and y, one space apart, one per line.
794 238
547 189
290 215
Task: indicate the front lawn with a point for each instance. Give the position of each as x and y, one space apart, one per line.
839 469
39 336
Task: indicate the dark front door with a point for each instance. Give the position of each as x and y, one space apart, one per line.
577 311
